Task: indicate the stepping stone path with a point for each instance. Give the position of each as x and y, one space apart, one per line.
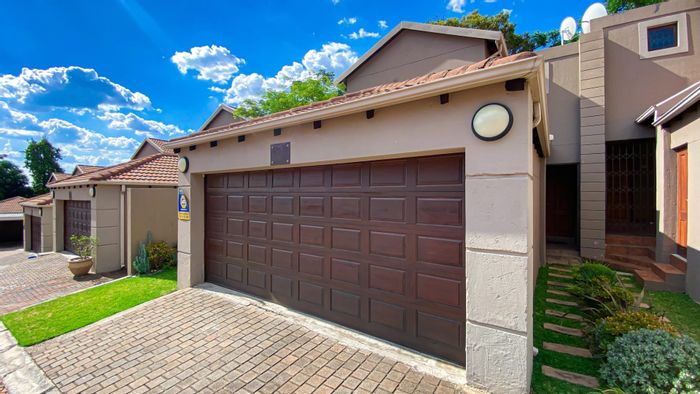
644 306
571 377
572 350
561 276
559 292
563 330
564 315
560 269
555 283
561 302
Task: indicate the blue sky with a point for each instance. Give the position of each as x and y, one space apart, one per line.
96 77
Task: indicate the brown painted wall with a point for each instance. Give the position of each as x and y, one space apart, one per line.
413 53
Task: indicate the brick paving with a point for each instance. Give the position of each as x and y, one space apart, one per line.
25 282
3 390
197 341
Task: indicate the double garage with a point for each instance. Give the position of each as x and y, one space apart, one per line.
376 246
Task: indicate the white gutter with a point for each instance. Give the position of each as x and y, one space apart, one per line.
525 68
6 217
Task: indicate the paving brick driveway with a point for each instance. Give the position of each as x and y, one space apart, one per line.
197 340
25 282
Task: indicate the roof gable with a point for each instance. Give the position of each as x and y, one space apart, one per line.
83 169
222 115
150 146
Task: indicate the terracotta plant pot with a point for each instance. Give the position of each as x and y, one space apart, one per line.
80 266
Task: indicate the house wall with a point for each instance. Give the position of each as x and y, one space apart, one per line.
221 119
150 209
499 208
412 53
146 150
104 216
684 131
47 230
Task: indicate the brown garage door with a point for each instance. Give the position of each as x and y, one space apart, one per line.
35 225
76 220
376 246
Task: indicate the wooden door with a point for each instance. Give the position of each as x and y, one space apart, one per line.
562 203
682 193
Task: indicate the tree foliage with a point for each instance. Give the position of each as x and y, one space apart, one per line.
317 88
13 182
617 6
41 158
501 22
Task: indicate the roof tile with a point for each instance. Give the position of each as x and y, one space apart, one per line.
157 169
11 205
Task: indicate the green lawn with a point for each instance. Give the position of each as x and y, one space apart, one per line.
543 384
56 317
683 312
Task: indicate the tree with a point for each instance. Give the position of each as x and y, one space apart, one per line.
41 158
501 22
617 6
317 88
13 182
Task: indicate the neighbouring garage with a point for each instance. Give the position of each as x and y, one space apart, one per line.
76 221
38 223
11 220
376 246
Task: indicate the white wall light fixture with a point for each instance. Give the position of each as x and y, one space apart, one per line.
183 164
492 121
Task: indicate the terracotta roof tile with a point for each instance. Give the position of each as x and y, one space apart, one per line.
161 144
157 169
11 205
59 176
492 61
85 168
40 200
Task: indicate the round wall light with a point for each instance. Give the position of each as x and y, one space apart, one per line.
492 121
183 164
92 191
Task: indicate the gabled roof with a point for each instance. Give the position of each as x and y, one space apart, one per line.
41 200
84 168
158 169
490 35
671 107
11 205
57 176
217 111
157 144
488 71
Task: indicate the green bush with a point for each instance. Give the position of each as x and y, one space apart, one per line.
646 361
599 289
607 330
591 271
161 255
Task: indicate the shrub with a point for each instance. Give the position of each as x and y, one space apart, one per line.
599 289
141 264
607 330
591 271
83 245
160 255
646 361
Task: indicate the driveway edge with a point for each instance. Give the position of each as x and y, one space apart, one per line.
18 371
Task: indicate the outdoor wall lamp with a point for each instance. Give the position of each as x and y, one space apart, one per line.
492 121
92 191
183 164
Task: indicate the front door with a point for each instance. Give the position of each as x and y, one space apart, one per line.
682 193
562 203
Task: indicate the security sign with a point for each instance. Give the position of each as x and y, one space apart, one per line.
183 206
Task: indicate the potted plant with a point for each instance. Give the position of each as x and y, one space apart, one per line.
83 246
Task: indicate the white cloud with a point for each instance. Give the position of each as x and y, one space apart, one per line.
489 1
334 57
347 21
82 137
20 133
362 33
211 62
68 87
139 125
382 24
456 5
507 10
335 2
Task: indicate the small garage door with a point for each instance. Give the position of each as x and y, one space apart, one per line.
36 233
76 220
376 246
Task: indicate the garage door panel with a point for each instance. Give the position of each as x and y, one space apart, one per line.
76 221
375 246
216 203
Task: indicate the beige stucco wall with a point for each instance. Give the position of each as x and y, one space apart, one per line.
562 71
221 119
684 131
46 214
499 208
633 84
412 53
105 222
150 209
146 150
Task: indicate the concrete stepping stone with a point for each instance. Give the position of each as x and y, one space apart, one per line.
559 292
644 306
560 269
563 315
561 276
627 274
555 283
571 377
571 350
628 285
561 302
574 332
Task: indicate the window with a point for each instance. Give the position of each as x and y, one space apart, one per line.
662 37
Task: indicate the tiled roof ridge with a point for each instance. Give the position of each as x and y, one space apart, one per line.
114 170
